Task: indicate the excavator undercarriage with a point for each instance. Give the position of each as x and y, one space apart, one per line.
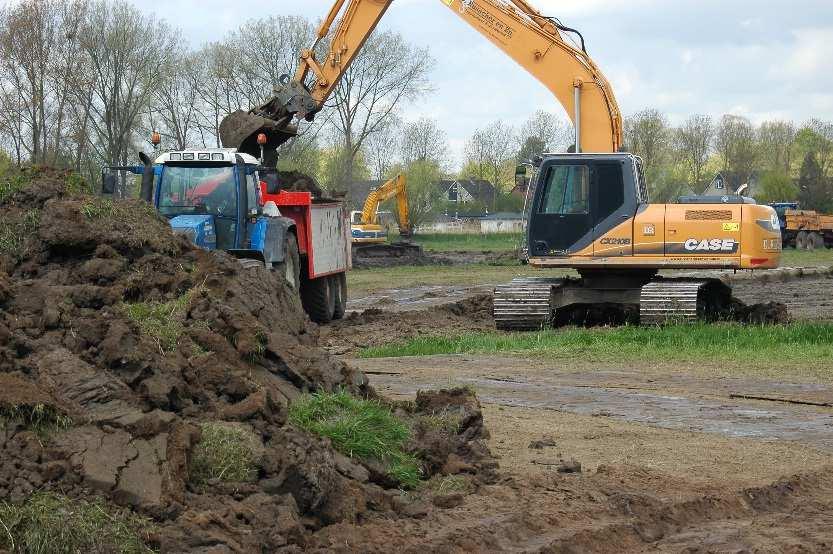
528 304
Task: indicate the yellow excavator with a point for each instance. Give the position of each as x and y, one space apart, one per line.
587 210
370 239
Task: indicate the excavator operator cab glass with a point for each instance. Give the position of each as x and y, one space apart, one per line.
567 190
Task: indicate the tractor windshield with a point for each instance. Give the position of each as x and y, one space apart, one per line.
198 190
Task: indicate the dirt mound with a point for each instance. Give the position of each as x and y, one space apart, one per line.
296 181
121 344
377 327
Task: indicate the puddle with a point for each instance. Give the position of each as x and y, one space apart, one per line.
803 424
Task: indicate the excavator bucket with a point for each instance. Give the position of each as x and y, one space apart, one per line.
240 130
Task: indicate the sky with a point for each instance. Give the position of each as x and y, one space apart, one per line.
763 59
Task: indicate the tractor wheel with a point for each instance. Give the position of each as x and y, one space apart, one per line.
290 268
318 299
338 282
801 241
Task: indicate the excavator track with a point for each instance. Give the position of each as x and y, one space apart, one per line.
682 301
525 304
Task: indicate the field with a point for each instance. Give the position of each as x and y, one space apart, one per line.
674 429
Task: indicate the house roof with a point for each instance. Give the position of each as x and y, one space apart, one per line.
479 189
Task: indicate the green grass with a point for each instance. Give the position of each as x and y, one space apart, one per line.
42 419
792 345
98 208
804 258
468 242
362 429
161 321
224 453
49 523
13 233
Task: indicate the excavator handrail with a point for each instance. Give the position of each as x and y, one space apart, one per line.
536 42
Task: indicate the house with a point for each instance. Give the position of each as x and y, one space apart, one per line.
723 186
466 191
502 222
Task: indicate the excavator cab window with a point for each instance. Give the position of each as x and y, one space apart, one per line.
567 190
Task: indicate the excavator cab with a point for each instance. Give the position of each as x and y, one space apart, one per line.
580 198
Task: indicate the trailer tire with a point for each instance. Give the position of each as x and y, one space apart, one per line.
801 241
816 241
339 285
290 268
318 299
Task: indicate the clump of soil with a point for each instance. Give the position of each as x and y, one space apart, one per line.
137 343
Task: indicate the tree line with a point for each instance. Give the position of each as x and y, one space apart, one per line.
84 83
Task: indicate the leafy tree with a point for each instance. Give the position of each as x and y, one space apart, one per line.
776 186
814 189
423 193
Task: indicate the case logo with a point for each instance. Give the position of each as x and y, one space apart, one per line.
711 245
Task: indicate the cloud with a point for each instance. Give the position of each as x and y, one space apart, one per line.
760 59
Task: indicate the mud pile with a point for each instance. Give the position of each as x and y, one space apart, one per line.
124 340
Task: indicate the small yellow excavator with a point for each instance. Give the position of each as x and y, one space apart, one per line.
370 239
587 210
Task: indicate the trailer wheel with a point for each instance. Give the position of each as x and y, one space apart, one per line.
318 299
339 285
801 240
290 268
816 241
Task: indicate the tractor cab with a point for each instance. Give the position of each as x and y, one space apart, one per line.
215 197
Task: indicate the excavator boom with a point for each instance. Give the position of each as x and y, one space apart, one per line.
537 43
396 187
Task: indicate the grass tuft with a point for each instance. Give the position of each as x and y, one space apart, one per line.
13 233
162 321
793 345
224 453
99 208
41 419
362 429
49 523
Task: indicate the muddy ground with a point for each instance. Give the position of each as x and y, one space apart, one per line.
122 344
673 457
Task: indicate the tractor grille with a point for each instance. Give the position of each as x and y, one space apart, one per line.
708 215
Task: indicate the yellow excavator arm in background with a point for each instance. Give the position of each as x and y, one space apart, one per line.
537 43
396 187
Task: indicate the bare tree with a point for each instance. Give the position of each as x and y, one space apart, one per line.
777 139
542 132
39 55
693 142
382 148
128 54
424 140
175 108
735 143
488 153
386 72
647 134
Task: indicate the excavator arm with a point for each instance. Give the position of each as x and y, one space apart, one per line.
537 43
394 188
